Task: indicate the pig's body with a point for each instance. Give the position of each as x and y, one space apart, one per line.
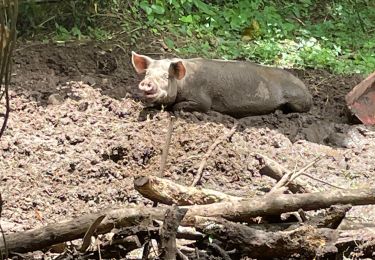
235 88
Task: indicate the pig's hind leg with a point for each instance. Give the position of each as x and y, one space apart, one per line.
297 105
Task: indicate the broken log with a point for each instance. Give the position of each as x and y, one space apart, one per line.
168 192
309 242
243 211
330 218
51 234
305 240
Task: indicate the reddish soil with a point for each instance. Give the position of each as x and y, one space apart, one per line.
78 135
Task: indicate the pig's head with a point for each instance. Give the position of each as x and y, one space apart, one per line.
160 82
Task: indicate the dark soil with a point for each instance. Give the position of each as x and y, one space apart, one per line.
78 135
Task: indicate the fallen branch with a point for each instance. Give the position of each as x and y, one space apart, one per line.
240 211
168 192
276 171
51 234
243 211
210 150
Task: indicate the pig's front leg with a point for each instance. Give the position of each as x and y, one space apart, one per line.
190 106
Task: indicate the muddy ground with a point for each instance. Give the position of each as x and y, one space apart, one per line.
78 135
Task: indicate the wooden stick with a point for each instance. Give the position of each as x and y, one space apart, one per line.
291 176
168 192
276 171
210 151
164 154
168 249
302 171
87 238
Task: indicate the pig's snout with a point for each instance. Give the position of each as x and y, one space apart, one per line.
147 86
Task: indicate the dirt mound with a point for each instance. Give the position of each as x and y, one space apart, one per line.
74 147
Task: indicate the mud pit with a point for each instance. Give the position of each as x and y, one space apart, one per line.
77 135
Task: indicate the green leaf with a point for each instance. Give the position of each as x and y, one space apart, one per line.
187 19
158 9
169 42
203 7
145 7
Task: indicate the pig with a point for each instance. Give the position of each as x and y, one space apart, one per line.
235 88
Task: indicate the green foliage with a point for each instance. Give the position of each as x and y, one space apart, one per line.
319 34
335 35
70 20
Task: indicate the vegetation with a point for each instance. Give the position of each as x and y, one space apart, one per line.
338 35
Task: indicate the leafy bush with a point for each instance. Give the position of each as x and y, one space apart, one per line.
305 33
336 35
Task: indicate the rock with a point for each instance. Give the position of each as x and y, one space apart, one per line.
55 99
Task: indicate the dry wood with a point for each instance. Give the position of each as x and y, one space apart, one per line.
210 150
290 176
243 210
331 218
74 229
285 177
87 238
164 154
188 233
270 206
308 241
305 240
168 192
168 249
276 171
358 244
115 249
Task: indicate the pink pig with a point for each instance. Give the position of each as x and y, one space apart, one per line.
236 88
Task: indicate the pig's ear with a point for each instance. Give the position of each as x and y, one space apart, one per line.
177 70
140 62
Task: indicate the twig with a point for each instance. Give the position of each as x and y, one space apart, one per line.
324 182
146 250
164 154
90 232
2 233
300 21
276 171
210 151
181 255
99 252
289 177
302 171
